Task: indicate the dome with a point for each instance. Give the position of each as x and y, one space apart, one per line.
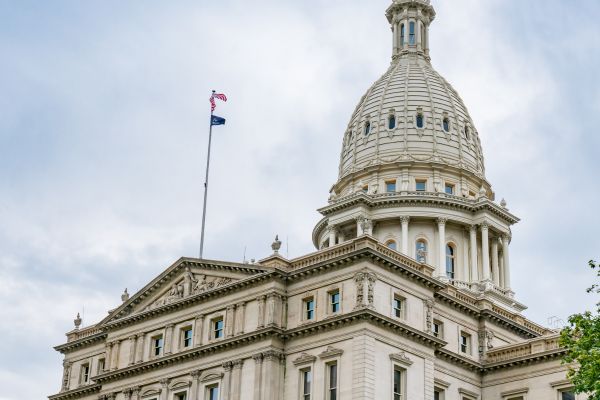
411 114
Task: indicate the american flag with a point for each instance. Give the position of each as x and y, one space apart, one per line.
214 96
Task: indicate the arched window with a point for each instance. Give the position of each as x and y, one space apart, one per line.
411 34
402 35
446 124
420 120
367 128
421 251
450 261
392 121
391 244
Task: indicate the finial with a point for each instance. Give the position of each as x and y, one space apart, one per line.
503 204
276 244
125 296
77 321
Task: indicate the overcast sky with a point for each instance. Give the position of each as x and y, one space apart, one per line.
103 132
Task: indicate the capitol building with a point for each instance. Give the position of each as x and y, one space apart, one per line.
406 297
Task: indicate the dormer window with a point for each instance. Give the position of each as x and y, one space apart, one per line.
367 128
411 34
420 120
446 124
392 122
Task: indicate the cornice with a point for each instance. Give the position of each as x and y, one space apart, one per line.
458 359
83 342
76 393
189 354
525 360
515 326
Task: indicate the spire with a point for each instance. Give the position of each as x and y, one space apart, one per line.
410 20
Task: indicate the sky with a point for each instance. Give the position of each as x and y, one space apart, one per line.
103 133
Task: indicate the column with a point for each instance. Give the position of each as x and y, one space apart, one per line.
505 242
261 311
442 249
258 364
195 385
169 339
485 251
108 358
198 330
236 380
115 355
66 376
405 219
127 394
473 248
495 266
164 389
501 262
229 321
271 375
332 235
135 393
396 34
225 392
132 343
239 318
271 309
139 356
341 239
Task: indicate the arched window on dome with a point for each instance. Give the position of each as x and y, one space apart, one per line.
467 133
391 121
411 34
450 261
367 128
446 124
402 35
421 250
420 120
391 244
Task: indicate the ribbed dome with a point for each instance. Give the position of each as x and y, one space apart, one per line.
385 127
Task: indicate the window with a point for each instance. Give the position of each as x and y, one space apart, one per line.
309 308
411 34
332 381
391 244
421 251
212 392
391 122
180 396
438 329
186 336
421 185
449 188
472 194
420 120
334 301
438 394
398 306
402 35
217 328
467 133
567 395
465 343
367 128
306 376
85 373
398 384
365 189
390 186
100 366
446 124
450 261
157 345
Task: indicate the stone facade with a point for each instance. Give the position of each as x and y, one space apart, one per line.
407 297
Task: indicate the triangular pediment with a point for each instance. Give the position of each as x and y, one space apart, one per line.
182 280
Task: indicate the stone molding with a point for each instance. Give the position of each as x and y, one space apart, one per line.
401 358
331 352
304 359
77 393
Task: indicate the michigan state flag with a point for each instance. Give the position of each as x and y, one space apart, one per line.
217 120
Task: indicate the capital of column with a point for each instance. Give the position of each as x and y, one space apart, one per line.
442 221
473 228
261 298
506 237
227 366
270 355
195 374
258 358
169 326
241 304
230 307
237 364
164 383
333 229
485 226
405 219
133 337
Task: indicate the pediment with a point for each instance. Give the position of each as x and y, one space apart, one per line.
184 279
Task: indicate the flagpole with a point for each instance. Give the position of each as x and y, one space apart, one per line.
206 183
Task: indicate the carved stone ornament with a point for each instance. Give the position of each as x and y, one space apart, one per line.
401 358
276 245
125 296
190 285
331 352
77 321
429 303
359 279
304 358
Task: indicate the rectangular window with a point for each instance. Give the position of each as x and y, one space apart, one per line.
449 188
398 384
421 185
85 373
411 34
157 344
212 392
100 366
309 308
438 394
334 301
187 337
398 307
438 329
217 325
465 343
306 376
567 395
390 186
332 381
180 396
365 189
